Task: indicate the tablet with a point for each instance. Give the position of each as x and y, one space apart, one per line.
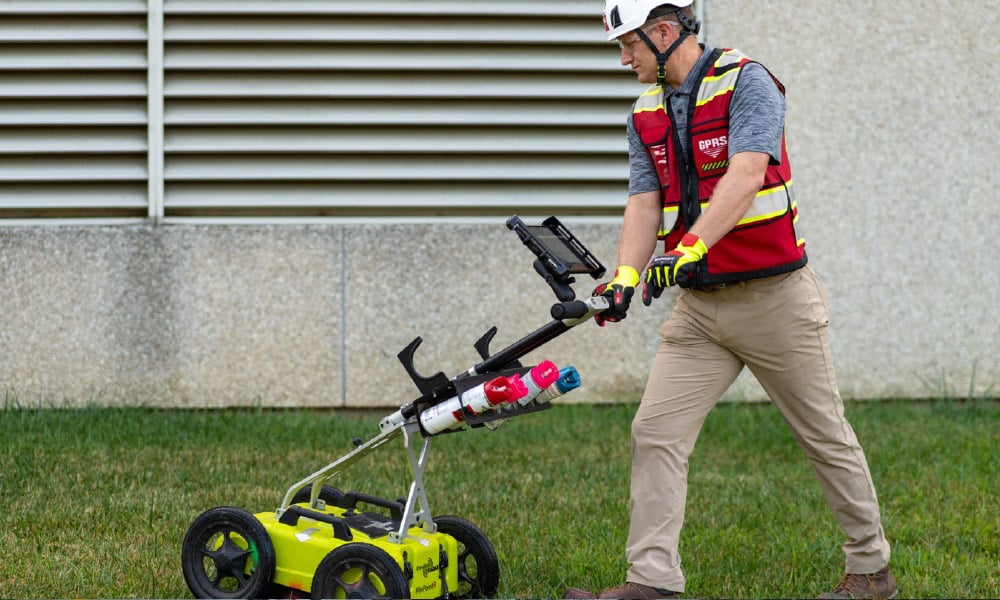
558 249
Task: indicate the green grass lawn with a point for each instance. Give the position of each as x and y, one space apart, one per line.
94 503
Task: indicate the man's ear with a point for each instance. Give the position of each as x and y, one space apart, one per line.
663 30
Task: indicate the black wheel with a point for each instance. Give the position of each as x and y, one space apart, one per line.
227 554
359 571
327 493
478 567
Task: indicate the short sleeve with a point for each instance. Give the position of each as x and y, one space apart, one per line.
756 114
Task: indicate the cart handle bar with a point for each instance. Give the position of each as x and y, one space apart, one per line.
565 315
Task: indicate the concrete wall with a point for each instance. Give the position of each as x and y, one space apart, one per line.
281 316
892 127
314 316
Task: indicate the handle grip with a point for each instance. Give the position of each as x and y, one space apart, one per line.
574 312
569 310
341 531
351 499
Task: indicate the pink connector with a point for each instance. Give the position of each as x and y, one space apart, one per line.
538 378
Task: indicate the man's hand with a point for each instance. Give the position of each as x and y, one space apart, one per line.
619 293
673 268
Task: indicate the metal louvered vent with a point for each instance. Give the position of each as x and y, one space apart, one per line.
299 108
73 108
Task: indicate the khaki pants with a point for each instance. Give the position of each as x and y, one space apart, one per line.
777 327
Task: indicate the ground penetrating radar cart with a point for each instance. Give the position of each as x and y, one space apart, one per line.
320 542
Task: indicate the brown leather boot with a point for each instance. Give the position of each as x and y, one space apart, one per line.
629 591
880 585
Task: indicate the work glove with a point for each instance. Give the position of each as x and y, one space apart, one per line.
673 268
619 293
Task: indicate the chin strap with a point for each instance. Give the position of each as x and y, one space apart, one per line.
688 25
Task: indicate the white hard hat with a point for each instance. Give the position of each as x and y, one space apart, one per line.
623 16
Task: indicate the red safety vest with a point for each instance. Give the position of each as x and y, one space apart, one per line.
764 242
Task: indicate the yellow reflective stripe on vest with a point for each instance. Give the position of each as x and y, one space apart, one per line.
651 100
769 204
719 85
667 221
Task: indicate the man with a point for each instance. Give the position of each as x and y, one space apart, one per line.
710 176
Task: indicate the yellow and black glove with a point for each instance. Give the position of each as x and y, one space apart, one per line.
673 268
619 293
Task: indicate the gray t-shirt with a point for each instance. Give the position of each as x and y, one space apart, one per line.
756 121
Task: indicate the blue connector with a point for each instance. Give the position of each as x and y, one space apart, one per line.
569 379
